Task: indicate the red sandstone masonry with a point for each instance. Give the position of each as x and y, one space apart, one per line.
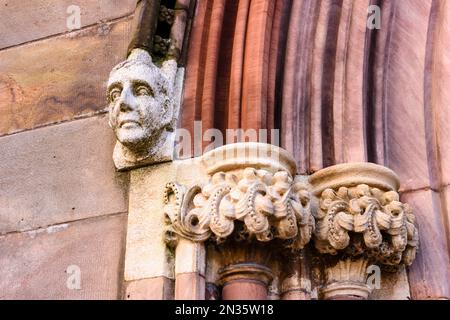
429 275
29 20
404 94
59 78
59 173
157 288
33 264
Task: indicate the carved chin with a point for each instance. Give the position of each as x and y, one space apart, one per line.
132 136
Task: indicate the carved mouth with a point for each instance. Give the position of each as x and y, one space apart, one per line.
129 124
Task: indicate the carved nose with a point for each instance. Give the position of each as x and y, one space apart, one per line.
126 102
125 107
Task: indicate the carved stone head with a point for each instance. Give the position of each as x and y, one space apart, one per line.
141 109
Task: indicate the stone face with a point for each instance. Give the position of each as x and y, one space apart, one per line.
142 110
38 264
59 173
45 82
28 20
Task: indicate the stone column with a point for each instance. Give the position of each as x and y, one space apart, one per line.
245 281
189 270
296 283
360 221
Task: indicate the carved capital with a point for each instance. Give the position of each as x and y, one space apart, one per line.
347 278
363 219
266 205
366 221
245 271
246 202
360 220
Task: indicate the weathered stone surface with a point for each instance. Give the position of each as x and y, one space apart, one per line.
438 76
59 173
319 52
28 20
59 78
394 286
190 286
360 198
177 33
190 257
182 4
146 253
34 264
256 59
245 290
405 130
158 288
446 211
348 95
429 275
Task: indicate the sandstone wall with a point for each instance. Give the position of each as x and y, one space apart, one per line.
62 203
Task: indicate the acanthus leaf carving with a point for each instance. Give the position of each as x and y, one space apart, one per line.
268 205
365 220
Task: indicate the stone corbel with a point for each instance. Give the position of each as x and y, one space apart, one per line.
360 221
251 206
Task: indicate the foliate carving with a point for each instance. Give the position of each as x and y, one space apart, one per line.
366 221
181 219
268 205
347 278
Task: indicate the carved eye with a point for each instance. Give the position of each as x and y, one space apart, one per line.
144 91
114 94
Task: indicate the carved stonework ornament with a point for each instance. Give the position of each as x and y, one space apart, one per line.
365 220
352 211
269 206
360 220
251 194
142 110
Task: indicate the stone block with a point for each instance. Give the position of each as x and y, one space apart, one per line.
58 174
45 263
